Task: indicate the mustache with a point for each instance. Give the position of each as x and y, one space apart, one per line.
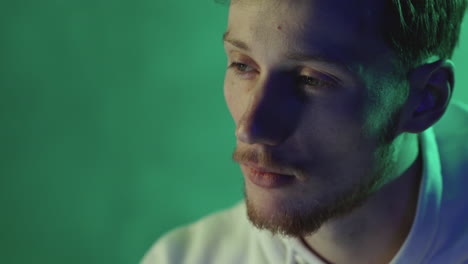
255 156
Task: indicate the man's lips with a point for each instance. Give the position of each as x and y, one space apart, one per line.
266 169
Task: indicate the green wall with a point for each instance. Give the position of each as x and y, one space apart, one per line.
113 125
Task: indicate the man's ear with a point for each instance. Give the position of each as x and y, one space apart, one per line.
430 91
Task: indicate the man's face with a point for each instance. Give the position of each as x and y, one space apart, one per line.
314 117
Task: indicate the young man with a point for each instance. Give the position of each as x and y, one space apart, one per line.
350 146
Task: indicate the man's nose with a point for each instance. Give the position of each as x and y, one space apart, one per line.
271 114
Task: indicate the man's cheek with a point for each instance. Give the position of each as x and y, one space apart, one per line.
342 138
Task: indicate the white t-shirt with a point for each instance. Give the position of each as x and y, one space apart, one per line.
439 234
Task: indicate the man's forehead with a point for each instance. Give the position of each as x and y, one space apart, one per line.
318 24
366 12
318 21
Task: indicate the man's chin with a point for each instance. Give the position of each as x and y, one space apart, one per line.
299 218
283 219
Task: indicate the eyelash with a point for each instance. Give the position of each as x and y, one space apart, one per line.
301 78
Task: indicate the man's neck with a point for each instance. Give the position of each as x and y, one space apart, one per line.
376 231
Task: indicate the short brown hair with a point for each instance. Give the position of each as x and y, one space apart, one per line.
419 29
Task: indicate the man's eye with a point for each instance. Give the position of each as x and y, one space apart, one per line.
241 67
313 82
309 81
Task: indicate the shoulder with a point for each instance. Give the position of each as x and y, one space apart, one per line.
452 141
451 134
221 235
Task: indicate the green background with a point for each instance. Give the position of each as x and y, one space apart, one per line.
114 128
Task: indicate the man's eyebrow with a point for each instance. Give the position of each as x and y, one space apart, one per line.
237 43
295 56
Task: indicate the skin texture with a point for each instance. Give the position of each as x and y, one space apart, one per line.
349 133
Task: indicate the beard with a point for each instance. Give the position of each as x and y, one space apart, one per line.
303 218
